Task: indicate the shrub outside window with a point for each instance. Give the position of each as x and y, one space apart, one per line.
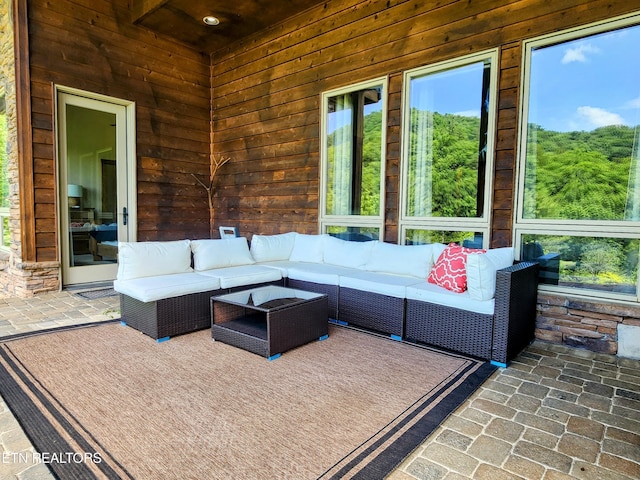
447 153
579 159
352 160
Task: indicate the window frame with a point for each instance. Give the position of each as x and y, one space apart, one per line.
482 223
326 220
563 227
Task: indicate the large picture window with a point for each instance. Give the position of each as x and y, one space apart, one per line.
579 186
448 133
353 146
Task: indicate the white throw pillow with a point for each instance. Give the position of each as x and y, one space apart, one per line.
271 248
226 252
481 271
414 260
346 253
150 259
308 248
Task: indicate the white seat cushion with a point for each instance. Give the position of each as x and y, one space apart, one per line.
150 289
381 283
242 275
428 292
319 273
282 265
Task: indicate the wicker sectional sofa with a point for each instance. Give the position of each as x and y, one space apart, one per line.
165 288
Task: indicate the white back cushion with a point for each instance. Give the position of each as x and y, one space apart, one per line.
308 248
149 259
437 249
271 248
481 271
414 260
226 252
345 253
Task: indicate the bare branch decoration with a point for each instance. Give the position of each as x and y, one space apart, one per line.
217 163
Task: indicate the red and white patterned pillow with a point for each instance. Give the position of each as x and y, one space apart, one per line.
450 270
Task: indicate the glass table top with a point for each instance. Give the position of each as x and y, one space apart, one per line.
268 298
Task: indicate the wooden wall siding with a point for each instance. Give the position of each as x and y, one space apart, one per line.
92 45
505 155
266 92
27 245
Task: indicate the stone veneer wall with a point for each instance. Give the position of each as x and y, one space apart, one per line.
17 278
581 323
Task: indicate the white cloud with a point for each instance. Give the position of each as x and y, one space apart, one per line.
635 103
469 113
598 117
579 54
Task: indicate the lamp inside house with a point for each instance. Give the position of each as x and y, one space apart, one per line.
74 192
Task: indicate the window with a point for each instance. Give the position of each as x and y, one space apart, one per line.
4 180
579 159
352 158
448 131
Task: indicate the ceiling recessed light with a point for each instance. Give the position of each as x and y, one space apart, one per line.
211 20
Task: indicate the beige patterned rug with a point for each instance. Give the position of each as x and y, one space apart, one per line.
108 402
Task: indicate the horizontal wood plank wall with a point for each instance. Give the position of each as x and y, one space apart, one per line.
505 155
266 94
92 45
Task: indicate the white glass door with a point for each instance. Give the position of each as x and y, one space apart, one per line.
94 187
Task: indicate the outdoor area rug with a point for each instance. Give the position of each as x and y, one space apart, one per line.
108 402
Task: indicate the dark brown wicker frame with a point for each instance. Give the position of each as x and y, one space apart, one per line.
514 321
174 316
450 328
332 292
170 316
287 327
374 311
498 337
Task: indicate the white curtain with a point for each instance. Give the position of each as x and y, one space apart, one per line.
421 158
341 163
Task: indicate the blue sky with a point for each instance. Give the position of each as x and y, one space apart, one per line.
578 85
457 91
587 83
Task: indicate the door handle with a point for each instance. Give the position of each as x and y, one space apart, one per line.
125 215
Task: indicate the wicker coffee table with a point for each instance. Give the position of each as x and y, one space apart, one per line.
269 320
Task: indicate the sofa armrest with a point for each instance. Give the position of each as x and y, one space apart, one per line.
515 310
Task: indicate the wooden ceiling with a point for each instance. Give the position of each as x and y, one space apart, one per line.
182 19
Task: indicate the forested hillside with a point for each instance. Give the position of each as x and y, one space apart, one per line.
583 175
576 175
579 175
586 176
452 188
453 148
